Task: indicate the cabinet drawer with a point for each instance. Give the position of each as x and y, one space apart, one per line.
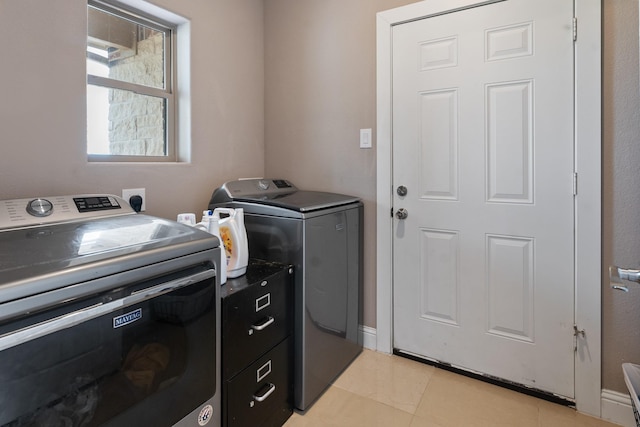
254 320
261 395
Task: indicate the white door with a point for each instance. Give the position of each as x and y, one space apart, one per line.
483 143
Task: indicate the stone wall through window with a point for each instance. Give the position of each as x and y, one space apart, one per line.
137 122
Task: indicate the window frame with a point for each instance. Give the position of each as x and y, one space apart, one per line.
169 93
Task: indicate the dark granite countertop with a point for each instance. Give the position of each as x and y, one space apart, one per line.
257 270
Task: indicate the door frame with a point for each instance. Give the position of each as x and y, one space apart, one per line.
588 137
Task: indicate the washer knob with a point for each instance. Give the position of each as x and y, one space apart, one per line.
40 207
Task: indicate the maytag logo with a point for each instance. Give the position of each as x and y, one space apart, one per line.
125 319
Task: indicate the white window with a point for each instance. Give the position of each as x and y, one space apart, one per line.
131 102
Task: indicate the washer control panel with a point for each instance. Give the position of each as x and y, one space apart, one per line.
253 188
257 187
96 203
45 210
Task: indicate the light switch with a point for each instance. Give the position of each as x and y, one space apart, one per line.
365 138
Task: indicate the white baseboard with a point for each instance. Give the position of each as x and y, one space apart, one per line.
369 335
616 407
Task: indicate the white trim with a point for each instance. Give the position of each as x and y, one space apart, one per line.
369 337
588 201
616 407
384 242
588 206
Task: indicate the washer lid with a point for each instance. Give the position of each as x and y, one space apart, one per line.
303 201
50 256
277 192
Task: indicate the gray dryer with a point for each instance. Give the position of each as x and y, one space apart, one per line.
321 235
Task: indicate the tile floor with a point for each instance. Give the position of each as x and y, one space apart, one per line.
391 391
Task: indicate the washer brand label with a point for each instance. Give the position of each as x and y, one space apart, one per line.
125 319
205 415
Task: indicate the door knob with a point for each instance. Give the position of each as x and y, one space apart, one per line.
617 275
402 191
402 213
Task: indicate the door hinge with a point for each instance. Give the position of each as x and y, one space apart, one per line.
575 183
577 332
575 29
391 212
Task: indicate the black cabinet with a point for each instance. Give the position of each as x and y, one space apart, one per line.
257 345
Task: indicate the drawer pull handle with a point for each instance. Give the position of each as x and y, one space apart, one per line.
262 325
262 397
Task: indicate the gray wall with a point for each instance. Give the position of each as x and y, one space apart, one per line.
42 105
281 88
320 85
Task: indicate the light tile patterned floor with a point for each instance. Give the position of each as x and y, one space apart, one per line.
391 391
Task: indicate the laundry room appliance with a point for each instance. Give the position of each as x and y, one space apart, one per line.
321 235
107 317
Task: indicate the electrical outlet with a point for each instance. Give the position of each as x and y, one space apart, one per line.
127 193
